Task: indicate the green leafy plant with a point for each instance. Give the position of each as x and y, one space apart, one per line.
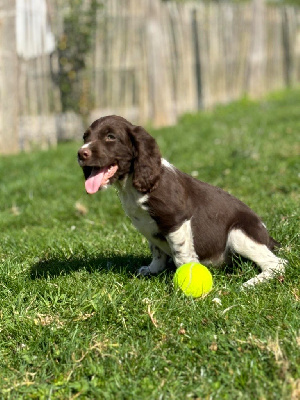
73 47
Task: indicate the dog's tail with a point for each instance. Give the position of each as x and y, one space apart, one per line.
273 244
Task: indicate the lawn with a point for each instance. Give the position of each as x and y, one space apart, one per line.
75 321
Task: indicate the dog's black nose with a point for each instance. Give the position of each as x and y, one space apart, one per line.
84 154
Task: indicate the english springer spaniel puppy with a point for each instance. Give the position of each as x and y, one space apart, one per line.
182 218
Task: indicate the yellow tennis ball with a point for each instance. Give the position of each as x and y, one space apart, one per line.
194 279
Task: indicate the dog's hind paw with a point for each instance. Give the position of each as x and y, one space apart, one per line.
266 275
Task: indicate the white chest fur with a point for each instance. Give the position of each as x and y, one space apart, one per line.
134 205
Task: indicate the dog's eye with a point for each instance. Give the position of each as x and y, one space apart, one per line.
110 137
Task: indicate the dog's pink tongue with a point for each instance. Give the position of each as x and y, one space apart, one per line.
93 182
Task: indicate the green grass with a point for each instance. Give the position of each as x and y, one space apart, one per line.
75 322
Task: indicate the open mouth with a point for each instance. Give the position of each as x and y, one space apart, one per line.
96 177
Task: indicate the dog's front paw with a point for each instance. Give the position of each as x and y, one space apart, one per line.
144 271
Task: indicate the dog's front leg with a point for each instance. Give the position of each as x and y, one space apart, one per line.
158 263
181 243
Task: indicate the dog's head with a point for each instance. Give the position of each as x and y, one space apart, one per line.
114 148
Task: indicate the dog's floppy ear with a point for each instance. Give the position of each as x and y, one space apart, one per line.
147 161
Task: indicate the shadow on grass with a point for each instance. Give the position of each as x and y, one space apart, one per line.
54 267
129 264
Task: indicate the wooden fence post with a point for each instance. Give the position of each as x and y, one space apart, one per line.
257 57
9 99
158 74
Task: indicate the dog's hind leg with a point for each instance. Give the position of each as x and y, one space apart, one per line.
240 243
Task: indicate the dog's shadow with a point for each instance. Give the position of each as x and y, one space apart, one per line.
54 267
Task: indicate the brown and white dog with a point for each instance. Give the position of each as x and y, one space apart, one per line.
182 218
